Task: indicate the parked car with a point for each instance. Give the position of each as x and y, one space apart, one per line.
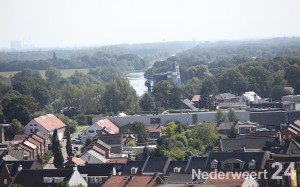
75 141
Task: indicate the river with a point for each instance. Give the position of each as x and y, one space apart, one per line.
137 81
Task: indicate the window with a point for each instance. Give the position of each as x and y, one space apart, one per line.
126 130
5 181
31 130
91 131
298 165
252 164
236 166
133 170
228 166
155 120
30 124
35 124
97 131
176 170
214 164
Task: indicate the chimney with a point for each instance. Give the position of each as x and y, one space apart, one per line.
20 168
75 168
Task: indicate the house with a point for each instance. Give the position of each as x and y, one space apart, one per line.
251 97
250 143
291 147
176 166
72 161
132 181
237 161
182 180
155 131
115 141
33 146
230 181
46 125
291 131
103 124
133 167
96 174
226 98
292 98
246 127
49 177
10 169
189 104
196 100
286 162
95 154
195 163
158 165
268 118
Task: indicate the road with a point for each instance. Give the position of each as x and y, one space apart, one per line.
64 151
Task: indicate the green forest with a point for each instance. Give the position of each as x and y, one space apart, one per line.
265 66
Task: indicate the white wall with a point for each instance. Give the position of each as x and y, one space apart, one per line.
34 125
77 179
90 157
184 118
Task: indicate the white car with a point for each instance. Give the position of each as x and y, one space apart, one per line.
75 141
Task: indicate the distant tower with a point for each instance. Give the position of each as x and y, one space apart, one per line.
174 75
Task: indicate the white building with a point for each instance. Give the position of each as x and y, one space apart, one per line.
46 125
98 125
251 97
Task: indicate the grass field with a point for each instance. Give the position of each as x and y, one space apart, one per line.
82 128
65 72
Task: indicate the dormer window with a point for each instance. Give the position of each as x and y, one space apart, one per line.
134 170
252 164
214 164
176 170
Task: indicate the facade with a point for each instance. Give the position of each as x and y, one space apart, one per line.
46 125
172 76
184 118
102 124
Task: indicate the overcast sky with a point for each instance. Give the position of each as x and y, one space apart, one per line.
64 23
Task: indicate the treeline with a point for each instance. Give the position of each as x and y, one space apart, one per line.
265 77
27 94
122 62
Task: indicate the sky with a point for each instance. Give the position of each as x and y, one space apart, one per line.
75 23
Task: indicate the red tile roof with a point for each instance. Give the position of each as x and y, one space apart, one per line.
196 98
130 181
225 181
50 122
110 127
18 138
118 160
156 128
98 150
75 160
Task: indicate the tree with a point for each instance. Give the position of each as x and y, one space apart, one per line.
205 133
161 92
14 128
63 184
220 116
71 124
87 142
232 81
277 92
141 131
232 117
56 150
233 132
170 130
68 144
147 102
19 107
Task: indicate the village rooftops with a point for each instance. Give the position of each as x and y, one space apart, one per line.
50 122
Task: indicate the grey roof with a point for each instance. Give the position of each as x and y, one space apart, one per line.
156 165
37 176
225 96
189 103
96 169
183 178
176 163
290 147
269 117
16 153
13 165
129 164
195 163
260 159
251 142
